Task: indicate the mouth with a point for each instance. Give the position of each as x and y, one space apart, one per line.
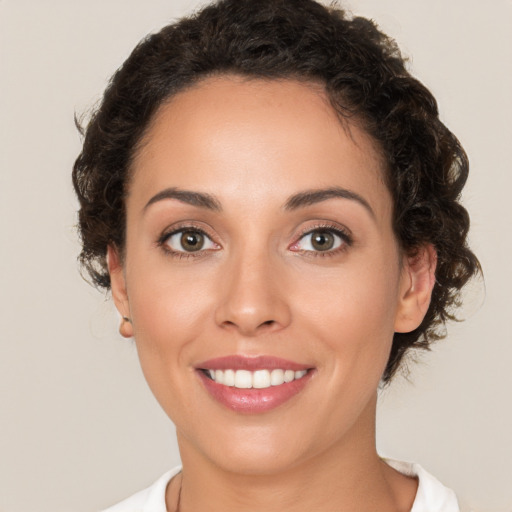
259 379
253 384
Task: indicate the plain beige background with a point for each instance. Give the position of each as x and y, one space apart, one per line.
78 427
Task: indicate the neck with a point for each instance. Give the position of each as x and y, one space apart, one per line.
347 476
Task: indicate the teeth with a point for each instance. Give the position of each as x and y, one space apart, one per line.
289 375
229 378
243 379
276 377
259 379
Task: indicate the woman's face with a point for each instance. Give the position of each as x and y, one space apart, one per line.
259 244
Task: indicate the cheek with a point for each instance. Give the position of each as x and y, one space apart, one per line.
352 310
167 319
167 315
170 311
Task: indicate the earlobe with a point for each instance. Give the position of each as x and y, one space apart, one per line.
417 282
119 293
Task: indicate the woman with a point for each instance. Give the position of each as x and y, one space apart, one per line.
273 202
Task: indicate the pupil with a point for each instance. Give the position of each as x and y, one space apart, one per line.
192 241
322 240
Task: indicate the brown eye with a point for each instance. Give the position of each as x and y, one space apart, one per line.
188 240
192 241
322 240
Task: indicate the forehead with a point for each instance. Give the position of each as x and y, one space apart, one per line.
244 139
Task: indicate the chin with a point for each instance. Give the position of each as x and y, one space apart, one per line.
257 460
253 450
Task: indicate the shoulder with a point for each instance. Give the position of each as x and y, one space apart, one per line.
151 499
432 495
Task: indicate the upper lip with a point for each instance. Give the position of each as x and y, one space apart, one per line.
241 362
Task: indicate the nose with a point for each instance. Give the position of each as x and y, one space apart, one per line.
253 297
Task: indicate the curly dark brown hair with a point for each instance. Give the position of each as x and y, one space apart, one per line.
365 79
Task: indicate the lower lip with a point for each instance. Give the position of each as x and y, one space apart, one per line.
253 400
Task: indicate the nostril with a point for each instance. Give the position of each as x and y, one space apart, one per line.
245 327
269 324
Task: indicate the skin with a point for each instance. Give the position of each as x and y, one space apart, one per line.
259 288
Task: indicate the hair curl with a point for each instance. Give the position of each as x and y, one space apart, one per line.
365 79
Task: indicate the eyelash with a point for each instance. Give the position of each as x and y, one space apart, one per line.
164 238
343 234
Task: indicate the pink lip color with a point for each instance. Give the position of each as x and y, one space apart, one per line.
237 362
252 401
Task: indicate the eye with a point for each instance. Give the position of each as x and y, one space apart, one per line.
188 240
321 240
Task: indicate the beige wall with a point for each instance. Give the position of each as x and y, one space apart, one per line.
78 426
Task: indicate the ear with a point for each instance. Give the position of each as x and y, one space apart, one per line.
416 285
118 287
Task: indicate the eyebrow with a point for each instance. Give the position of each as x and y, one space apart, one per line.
300 200
310 197
198 199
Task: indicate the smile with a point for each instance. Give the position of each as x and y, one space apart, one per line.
259 379
253 385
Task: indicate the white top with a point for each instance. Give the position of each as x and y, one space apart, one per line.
432 495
